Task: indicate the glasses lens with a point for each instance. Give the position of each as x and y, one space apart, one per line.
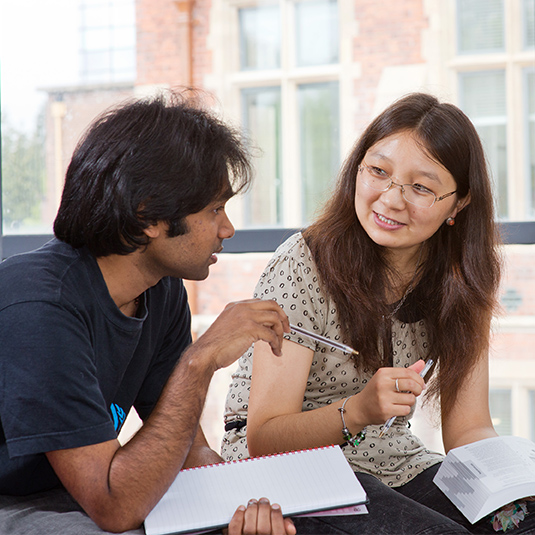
374 180
418 196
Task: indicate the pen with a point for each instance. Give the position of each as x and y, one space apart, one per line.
390 421
323 340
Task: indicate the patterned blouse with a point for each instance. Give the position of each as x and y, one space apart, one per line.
292 280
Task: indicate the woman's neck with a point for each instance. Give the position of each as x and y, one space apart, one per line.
404 271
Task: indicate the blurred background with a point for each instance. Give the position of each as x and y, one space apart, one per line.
301 78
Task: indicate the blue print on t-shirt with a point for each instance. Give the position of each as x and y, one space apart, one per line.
118 416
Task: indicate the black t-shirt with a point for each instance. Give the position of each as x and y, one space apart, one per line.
71 364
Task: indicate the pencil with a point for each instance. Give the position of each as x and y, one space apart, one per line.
390 421
323 340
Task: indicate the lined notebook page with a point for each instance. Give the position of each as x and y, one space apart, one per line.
303 481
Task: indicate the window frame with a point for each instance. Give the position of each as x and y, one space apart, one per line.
288 78
513 60
263 240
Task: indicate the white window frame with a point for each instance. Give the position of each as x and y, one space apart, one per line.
514 60
288 77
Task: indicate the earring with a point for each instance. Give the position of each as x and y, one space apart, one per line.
450 221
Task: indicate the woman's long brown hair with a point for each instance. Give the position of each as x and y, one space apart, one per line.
460 276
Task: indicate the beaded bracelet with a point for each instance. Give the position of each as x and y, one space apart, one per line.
348 437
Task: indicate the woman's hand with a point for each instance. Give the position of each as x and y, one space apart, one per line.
260 518
390 392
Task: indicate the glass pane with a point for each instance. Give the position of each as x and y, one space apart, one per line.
480 26
500 410
95 16
483 100
532 413
28 185
483 94
319 142
313 47
123 63
125 38
23 185
530 117
262 119
97 39
122 13
260 38
44 108
97 65
529 23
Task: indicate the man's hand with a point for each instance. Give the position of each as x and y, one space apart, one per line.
260 518
239 326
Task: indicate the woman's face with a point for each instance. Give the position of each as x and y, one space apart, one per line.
388 219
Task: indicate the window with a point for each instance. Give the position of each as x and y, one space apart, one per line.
262 117
260 38
86 51
494 62
528 29
481 26
532 413
300 148
530 131
108 39
313 47
500 410
483 99
320 148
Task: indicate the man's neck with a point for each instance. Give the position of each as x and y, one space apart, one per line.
125 279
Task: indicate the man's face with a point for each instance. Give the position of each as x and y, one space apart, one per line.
190 255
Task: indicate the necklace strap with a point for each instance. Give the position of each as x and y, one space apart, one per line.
409 289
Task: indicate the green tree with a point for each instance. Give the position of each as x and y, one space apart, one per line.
23 175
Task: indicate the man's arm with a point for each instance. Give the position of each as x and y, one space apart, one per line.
118 486
200 453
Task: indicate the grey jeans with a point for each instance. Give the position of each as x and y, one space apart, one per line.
418 508
49 513
56 513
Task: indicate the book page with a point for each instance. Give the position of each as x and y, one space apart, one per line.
481 477
303 481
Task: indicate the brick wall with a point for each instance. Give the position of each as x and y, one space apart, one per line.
384 39
161 43
172 42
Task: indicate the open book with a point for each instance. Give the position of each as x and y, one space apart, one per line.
482 477
303 481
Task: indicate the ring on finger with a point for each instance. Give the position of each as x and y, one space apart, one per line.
397 387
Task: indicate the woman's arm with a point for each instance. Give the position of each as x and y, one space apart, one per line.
276 422
469 420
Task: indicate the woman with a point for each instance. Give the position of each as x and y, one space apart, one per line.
403 266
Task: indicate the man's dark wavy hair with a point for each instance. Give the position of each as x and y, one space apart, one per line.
149 160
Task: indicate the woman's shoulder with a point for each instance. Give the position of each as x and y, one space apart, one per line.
294 249
290 273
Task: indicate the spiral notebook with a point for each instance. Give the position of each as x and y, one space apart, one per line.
303 481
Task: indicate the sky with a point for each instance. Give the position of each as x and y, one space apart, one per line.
38 48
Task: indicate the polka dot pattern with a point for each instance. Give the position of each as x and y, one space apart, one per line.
292 280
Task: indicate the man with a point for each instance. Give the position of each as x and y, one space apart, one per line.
97 321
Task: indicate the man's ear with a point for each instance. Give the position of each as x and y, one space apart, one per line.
153 231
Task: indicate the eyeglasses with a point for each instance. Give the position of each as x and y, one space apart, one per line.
379 180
